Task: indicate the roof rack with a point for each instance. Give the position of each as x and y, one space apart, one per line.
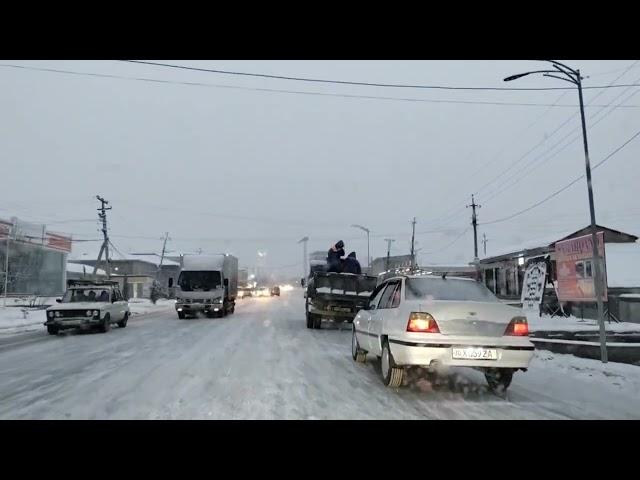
71 283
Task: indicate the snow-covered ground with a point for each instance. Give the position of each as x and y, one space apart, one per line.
574 324
263 363
15 319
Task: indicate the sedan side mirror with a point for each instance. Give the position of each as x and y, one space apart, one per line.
58 300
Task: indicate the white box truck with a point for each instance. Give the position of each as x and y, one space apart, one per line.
207 284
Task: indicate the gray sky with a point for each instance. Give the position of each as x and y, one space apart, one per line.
237 170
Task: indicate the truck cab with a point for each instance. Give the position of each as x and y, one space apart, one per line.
207 285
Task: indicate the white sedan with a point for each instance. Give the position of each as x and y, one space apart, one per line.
431 321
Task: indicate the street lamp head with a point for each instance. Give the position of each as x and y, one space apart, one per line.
515 77
365 229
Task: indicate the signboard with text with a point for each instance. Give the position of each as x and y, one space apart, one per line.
533 284
575 269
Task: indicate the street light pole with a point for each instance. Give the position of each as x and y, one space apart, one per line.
365 229
573 76
389 242
304 241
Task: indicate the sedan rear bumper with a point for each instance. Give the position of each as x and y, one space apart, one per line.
424 354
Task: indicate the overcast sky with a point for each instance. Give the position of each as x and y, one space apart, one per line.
240 170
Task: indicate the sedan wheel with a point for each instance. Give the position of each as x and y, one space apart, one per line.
106 324
498 379
123 323
358 355
392 375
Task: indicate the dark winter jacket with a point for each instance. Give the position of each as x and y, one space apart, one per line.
334 257
351 264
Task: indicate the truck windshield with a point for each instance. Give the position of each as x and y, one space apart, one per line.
199 281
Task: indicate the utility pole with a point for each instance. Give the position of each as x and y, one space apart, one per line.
304 241
102 215
389 241
413 238
164 249
484 242
474 222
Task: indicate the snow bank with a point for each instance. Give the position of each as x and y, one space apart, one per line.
20 319
15 319
574 324
619 377
139 306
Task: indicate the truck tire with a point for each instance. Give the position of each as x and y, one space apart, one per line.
106 324
123 323
317 322
52 330
392 375
181 315
308 315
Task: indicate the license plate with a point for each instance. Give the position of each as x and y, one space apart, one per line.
341 309
474 353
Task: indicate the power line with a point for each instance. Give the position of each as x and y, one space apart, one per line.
521 174
296 92
450 244
366 84
546 138
557 192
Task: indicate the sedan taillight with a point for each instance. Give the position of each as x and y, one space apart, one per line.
518 327
422 322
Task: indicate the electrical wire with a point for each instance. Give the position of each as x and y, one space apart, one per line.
367 84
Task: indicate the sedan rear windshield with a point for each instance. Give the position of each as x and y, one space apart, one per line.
447 289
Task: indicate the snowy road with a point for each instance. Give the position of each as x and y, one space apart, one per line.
263 363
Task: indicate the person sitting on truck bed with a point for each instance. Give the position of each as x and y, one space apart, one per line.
351 264
334 257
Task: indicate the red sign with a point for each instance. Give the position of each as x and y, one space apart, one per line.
576 271
58 242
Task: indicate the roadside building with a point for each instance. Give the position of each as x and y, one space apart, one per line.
37 258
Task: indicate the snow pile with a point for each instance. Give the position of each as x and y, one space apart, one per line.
617 377
84 269
575 324
16 319
20 319
140 306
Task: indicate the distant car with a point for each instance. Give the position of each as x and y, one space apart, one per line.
87 305
244 292
262 292
427 321
275 291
